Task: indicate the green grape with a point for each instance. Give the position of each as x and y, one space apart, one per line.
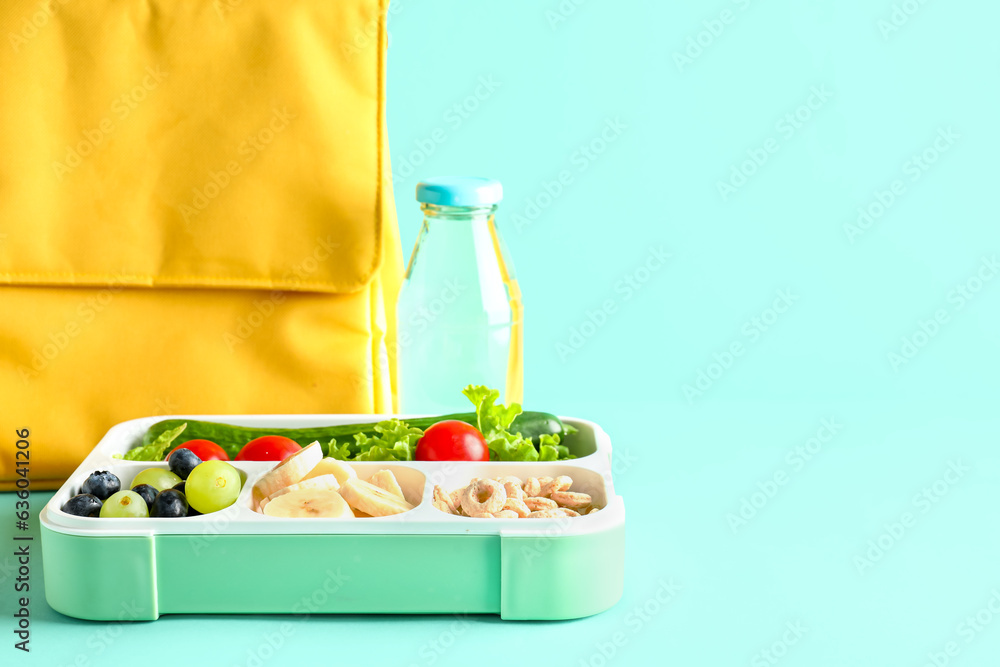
124 504
212 486
158 478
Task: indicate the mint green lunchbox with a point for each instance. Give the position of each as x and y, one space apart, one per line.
420 562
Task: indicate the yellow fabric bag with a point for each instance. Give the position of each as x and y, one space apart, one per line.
196 215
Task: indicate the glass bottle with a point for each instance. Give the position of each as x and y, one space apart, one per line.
459 311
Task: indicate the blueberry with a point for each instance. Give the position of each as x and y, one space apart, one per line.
179 486
170 503
85 504
147 492
101 484
182 462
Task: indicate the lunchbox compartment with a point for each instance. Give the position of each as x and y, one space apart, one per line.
583 443
410 479
126 472
585 480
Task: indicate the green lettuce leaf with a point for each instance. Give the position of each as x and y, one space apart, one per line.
550 449
156 450
339 452
493 421
394 441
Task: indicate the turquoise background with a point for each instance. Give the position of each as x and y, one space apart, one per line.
897 429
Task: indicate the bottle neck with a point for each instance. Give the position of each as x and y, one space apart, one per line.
457 213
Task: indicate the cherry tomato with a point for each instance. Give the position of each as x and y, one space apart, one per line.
206 450
452 440
268 448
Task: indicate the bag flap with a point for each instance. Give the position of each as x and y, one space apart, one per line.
191 143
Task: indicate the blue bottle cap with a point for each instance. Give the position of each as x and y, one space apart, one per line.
460 191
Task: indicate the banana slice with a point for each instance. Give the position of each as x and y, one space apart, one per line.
323 482
384 479
371 499
288 472
329 466
309 504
